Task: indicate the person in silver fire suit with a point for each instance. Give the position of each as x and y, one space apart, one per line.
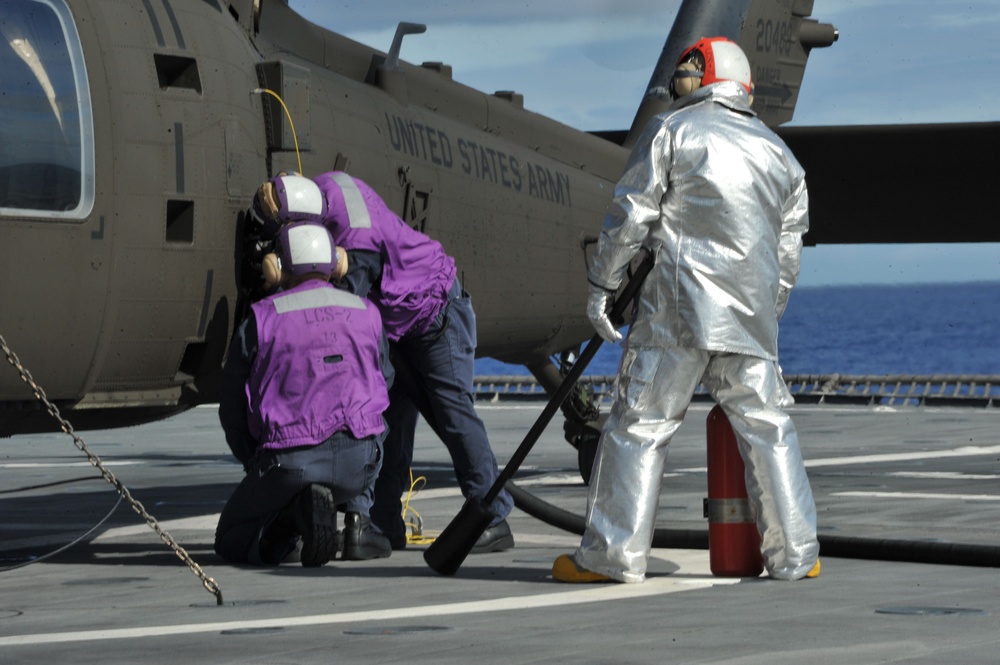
722 203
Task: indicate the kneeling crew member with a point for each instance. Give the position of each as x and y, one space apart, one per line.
304 389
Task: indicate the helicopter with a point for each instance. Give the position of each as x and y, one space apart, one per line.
134 136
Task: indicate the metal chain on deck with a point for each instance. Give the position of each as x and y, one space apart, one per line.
95 461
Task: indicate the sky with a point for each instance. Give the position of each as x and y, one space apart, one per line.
896 61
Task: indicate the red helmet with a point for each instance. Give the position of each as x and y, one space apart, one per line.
713 59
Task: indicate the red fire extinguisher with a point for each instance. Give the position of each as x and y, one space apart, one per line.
733 539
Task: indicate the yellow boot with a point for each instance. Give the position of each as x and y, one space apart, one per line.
564 569
814 572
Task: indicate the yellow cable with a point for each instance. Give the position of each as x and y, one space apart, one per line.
414 535
289 116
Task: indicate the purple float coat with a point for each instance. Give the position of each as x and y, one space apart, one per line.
416 271
317 370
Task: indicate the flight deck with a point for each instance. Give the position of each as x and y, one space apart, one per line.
911 475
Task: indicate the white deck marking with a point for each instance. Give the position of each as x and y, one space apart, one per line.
921 495
660 585
197 523
60 465
941 475
964 451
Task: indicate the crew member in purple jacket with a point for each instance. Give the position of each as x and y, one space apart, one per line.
428 318
305 386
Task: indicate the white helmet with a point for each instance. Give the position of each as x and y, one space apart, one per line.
290 198
306 248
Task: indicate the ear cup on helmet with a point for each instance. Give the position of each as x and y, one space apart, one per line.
267 201
687 79
270 266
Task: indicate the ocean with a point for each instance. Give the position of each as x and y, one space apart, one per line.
922 329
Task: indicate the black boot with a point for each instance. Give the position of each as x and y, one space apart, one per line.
497 538
313 516
361 542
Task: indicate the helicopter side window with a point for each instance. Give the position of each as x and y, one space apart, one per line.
46 126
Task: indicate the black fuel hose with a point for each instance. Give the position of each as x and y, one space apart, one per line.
682 539
842 547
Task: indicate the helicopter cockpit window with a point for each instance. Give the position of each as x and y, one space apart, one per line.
46 126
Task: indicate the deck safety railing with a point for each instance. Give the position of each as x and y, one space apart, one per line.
887 390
